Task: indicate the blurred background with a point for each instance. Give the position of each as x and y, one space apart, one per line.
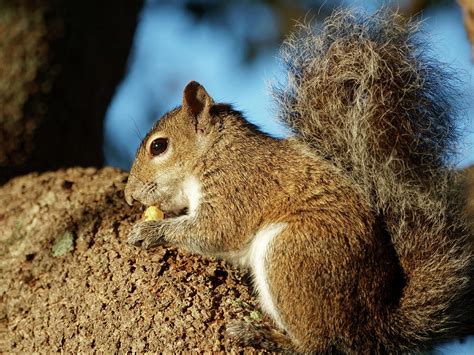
82 82
231 47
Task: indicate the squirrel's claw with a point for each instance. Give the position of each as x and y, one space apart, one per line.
135 237
144 234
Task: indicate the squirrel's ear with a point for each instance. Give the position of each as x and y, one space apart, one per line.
196 99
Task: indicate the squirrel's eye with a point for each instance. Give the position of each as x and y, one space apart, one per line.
158 146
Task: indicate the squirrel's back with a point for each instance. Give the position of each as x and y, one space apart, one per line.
363 94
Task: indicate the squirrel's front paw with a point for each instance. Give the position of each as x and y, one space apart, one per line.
145 234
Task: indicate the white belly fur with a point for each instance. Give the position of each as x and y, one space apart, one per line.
255 258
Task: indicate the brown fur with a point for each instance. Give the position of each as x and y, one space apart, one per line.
373 256
364 94
332 242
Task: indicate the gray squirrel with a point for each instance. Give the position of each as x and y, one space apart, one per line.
353 227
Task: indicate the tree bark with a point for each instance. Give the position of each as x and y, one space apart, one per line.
60 63
468 13
69 281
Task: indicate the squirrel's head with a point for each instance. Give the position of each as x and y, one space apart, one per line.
162 173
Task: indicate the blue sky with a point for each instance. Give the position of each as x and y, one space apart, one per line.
171 49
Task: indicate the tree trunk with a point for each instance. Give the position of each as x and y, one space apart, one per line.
468 14
60 63
69 281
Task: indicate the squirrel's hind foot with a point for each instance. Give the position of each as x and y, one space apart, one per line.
259 335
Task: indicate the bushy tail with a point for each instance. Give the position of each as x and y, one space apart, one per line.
362 92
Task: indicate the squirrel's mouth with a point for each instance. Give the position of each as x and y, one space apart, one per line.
171 212
153 213
174 214
172 207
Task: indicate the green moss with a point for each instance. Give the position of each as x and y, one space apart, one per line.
239 303
63 244
256 315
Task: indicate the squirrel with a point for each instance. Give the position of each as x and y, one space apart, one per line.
352 227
